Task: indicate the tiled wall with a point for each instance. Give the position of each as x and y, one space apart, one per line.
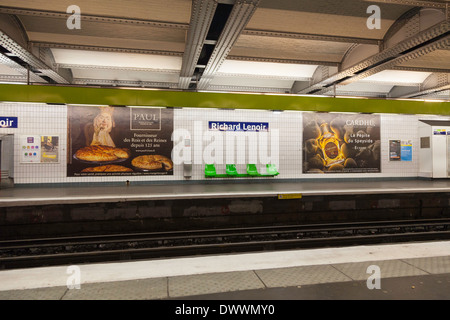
282 145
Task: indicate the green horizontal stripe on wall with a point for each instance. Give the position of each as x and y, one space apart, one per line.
135 97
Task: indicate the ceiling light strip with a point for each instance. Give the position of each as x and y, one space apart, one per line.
291 61
85 66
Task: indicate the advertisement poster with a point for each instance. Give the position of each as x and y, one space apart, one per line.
341 143
49 149
119 141
394 150
406 150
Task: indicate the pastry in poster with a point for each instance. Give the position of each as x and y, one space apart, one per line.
152 162
108 168
102 153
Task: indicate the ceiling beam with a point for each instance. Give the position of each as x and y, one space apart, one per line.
26 75
21 56
421 69
427 91
434 38
92 18
70 46
201 17
415 3
308 36
124 83
436 82
239 17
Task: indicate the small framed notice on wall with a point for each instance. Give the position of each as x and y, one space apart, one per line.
30 149
406 150
394 150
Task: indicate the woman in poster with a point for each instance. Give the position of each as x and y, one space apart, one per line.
102 126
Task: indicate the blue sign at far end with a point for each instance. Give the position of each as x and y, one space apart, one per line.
8 122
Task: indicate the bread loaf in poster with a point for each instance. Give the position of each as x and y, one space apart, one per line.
152 162
108 168
102 153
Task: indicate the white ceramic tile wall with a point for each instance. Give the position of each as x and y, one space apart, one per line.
281 145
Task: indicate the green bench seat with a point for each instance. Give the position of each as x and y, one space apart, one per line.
231 171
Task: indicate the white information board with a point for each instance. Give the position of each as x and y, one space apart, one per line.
30 149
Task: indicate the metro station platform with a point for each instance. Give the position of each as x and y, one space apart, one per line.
76 194
408 271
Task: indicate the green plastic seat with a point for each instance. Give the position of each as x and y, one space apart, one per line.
231 170
272 170
252 171
210 170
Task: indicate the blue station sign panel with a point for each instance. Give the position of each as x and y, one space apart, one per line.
8 122
238 126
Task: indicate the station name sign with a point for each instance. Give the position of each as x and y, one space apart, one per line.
441 132
8 122
238 126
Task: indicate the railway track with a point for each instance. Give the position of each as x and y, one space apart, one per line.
117 247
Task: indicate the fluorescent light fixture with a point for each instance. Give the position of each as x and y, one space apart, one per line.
20 102
289 70
9 82
437 100
398 76
116 59
146 107
351 97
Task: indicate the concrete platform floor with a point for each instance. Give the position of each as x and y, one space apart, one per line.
25 196
387 272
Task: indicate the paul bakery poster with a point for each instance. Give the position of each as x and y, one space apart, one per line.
119 141
341 143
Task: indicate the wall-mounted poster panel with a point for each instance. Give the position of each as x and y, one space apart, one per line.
394 150
406 150
341 143
49 149
125 141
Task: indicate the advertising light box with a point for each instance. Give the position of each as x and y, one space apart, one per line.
119 141
341 143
